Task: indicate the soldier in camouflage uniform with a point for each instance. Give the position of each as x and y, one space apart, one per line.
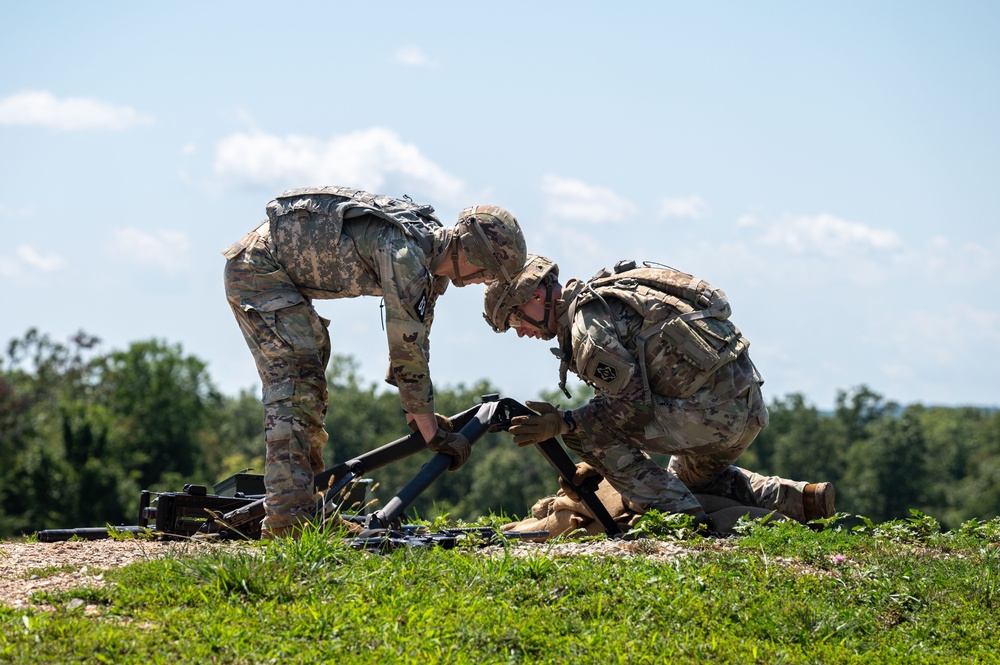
671 375
335 242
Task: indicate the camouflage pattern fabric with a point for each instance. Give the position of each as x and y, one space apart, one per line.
290 341
704 434
491 238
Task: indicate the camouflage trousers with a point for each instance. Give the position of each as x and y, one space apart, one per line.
291 347
703 445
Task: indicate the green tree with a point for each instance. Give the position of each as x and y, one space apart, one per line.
964 450
97 490
506 480
37 375
887 472
804 445
159 403
234 437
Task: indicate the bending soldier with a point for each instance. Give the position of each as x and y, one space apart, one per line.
336 242
671 375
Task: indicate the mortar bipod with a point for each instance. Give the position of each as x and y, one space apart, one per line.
332 481
474 428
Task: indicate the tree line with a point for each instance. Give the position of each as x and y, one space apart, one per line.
83 431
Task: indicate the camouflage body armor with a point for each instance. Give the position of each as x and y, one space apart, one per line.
313 217
685 336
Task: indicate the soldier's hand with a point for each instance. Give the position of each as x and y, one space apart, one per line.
583 472
527 430
451 443
443 422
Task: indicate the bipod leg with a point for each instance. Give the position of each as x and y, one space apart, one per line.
560 460
335 480
473 430
384 455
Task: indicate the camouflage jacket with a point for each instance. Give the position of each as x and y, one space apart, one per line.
391 264
340 243
598 345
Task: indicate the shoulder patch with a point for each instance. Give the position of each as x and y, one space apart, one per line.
603 369
605 373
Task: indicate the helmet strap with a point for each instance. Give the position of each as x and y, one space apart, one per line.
454 262
546 313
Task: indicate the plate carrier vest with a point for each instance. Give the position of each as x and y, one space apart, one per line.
686 335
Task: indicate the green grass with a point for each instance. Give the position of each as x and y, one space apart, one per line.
901 592
48 571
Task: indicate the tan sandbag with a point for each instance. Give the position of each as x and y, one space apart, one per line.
543 506
607 494
556 523
527 525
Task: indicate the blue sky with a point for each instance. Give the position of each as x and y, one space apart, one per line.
832 166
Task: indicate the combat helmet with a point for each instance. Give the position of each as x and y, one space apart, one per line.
501 299
492 240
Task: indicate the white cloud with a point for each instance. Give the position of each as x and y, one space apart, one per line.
575 200
27 259
362 159
826 235
167 250
41 108
412 56
691 207
189 149
45 262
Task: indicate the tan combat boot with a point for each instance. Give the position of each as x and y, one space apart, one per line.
817 501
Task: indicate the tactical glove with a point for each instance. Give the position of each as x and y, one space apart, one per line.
583 472
451 443
527 430
443 422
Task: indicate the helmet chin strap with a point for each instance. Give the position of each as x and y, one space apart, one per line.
546 313
457 279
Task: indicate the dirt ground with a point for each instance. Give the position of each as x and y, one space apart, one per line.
29 567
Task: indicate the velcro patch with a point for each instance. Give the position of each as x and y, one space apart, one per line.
420 306
605 373
604 369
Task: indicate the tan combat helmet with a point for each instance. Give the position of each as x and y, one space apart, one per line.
492 240
501 298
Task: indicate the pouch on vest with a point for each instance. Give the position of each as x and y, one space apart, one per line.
604 370
691 345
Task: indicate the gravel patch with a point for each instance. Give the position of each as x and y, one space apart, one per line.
29 567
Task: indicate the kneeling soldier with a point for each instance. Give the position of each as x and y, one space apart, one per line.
671 375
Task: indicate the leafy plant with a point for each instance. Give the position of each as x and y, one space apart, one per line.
666 526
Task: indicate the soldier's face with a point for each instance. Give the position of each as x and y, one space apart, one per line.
525 329
534 310
471 273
